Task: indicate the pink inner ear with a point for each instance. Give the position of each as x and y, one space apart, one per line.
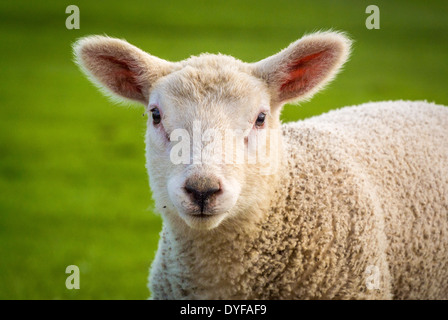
124 79
304 73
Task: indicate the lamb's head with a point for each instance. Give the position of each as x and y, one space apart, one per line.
213 125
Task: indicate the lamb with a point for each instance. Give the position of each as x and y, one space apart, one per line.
354 204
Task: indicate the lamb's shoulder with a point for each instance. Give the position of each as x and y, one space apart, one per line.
329 217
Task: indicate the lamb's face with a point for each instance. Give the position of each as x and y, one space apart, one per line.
208 128
213 120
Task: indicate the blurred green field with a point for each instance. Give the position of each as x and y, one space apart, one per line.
73 185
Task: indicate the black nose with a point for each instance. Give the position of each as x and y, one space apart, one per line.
202 190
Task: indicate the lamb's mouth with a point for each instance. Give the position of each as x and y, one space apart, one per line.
203 220
205 215
205 210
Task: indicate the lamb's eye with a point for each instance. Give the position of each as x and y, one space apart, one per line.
156 116
260 119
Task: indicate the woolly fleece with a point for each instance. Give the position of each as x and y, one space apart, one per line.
360 187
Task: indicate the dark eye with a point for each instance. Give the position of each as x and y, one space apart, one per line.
260 119
156 116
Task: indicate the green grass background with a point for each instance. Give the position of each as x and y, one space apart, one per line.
73 185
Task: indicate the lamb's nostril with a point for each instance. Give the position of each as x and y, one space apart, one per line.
200 196
202 189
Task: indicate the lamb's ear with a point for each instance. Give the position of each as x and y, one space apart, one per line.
118 68
303 68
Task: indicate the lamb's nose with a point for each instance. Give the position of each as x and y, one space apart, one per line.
202 190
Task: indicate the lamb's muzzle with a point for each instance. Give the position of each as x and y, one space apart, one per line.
203 191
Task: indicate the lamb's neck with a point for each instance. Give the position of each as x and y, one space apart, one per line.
211 263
